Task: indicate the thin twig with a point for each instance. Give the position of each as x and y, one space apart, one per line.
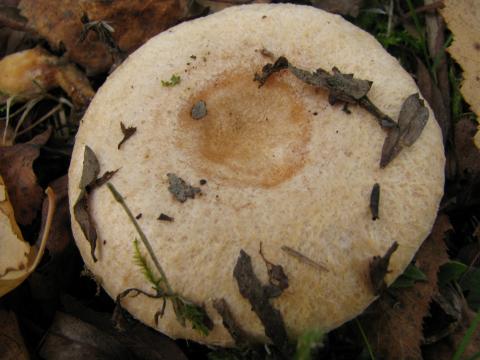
304 258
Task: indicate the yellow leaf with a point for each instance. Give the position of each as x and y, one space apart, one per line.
463 20
17 258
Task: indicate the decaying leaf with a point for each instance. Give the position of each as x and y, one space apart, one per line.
343 7
133 23
412 119
276 275
462 18
17 258
379 269
127 133
467 155
29 73
16 169
237 333
341 87
395 330
12 346
90 171
259 297
180 189
375 201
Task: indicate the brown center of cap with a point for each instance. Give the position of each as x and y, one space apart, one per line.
249 136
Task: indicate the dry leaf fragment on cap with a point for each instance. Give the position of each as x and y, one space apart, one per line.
180 189
259 297
411 122
17 258
127 133
16 168
229 322
378 269
341 87
375 201
29 73
89 182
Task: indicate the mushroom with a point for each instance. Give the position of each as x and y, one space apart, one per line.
284 168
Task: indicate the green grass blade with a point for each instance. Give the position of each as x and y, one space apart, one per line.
467 338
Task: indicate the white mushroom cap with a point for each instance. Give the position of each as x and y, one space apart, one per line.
284 168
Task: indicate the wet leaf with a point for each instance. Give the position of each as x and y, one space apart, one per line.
180 189
127 133
29 73
412 119
229 322
375 201
133 22
16 169
379 269
259 297
12 346
395 328
343 7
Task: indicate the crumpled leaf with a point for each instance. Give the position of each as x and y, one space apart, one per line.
12 346
29 73
395 330
259 297
133 23
343 7
462 18
16 168
412 119
17 258
378 269
90 171
180 189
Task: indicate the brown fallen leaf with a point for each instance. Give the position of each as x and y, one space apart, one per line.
217 5
133 23
343 7
12 346
467 154
16 169
30 73
395 331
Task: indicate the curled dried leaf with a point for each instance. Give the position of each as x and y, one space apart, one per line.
127 133
379 268
269 69
411 121
276 275
259 296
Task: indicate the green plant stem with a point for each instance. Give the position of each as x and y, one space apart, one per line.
467 338
364 337
144 239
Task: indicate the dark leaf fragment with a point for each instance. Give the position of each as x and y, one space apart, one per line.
199 110
379 268
269 69
127 133
164 217
180 189
345 88
411 121
88 182
374 201
276 275
259 296
229 322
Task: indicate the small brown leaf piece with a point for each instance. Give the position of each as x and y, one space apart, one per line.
16 169
269 69
276 275
411 121
379 268
102 180
165 217
375 201
90 171
395 330
467 154
127 133
259 296
180 189
345 88
237 333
